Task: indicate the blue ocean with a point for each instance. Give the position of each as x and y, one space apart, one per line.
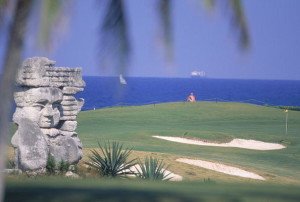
101 92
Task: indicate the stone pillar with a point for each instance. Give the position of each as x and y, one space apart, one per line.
46 114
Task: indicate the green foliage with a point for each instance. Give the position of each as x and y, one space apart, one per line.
49 18
152 169
63 166
50 166
10 164
112 161
292 108
74 168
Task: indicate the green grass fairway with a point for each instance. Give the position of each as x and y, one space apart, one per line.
221 122
216 122
59 189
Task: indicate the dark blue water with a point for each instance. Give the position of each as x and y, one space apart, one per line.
103 92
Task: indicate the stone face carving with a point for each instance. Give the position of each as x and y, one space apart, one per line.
46 114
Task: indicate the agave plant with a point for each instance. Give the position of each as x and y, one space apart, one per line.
152 169
112 160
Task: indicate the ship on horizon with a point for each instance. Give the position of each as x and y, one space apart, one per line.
198 74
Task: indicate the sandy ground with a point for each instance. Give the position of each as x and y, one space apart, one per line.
240 143
168 174
221 168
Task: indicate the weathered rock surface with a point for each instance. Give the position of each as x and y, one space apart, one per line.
40 71
66 149
70 174
45 100
69 126
71 90
32 148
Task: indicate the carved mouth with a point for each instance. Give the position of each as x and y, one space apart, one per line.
47 122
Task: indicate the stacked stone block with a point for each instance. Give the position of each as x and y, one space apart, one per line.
46 112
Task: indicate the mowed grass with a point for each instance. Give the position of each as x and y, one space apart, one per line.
56 189
216 122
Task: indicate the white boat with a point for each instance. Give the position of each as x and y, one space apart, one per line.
122 80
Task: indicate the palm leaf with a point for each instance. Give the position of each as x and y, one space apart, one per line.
235 8
164 11
11 64
4 6
210 4
50 15
240 23
114 37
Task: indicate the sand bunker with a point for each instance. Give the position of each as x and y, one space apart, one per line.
221 168
240 143
168 174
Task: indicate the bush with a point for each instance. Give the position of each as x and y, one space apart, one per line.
63 166
10 164
112 161
152 169
51 165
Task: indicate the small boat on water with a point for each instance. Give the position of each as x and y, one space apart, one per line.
122 80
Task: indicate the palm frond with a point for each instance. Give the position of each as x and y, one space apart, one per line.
4 6
210 4
164 9
11 63
50 16
114 37
2 2
239 20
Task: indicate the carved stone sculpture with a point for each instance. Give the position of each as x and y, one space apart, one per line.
46 112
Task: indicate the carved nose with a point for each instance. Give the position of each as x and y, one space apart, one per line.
48 111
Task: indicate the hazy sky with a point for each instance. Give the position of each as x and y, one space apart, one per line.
202 40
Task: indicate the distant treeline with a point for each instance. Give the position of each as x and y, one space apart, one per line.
292 108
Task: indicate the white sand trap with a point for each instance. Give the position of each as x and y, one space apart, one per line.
168 174
240 143
221 168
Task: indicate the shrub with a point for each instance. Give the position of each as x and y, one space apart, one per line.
51 165
63 166
152 169
73 168
112 160
10 164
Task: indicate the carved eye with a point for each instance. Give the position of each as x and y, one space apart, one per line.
40 104
56 105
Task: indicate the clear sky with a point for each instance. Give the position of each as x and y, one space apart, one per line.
202 40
